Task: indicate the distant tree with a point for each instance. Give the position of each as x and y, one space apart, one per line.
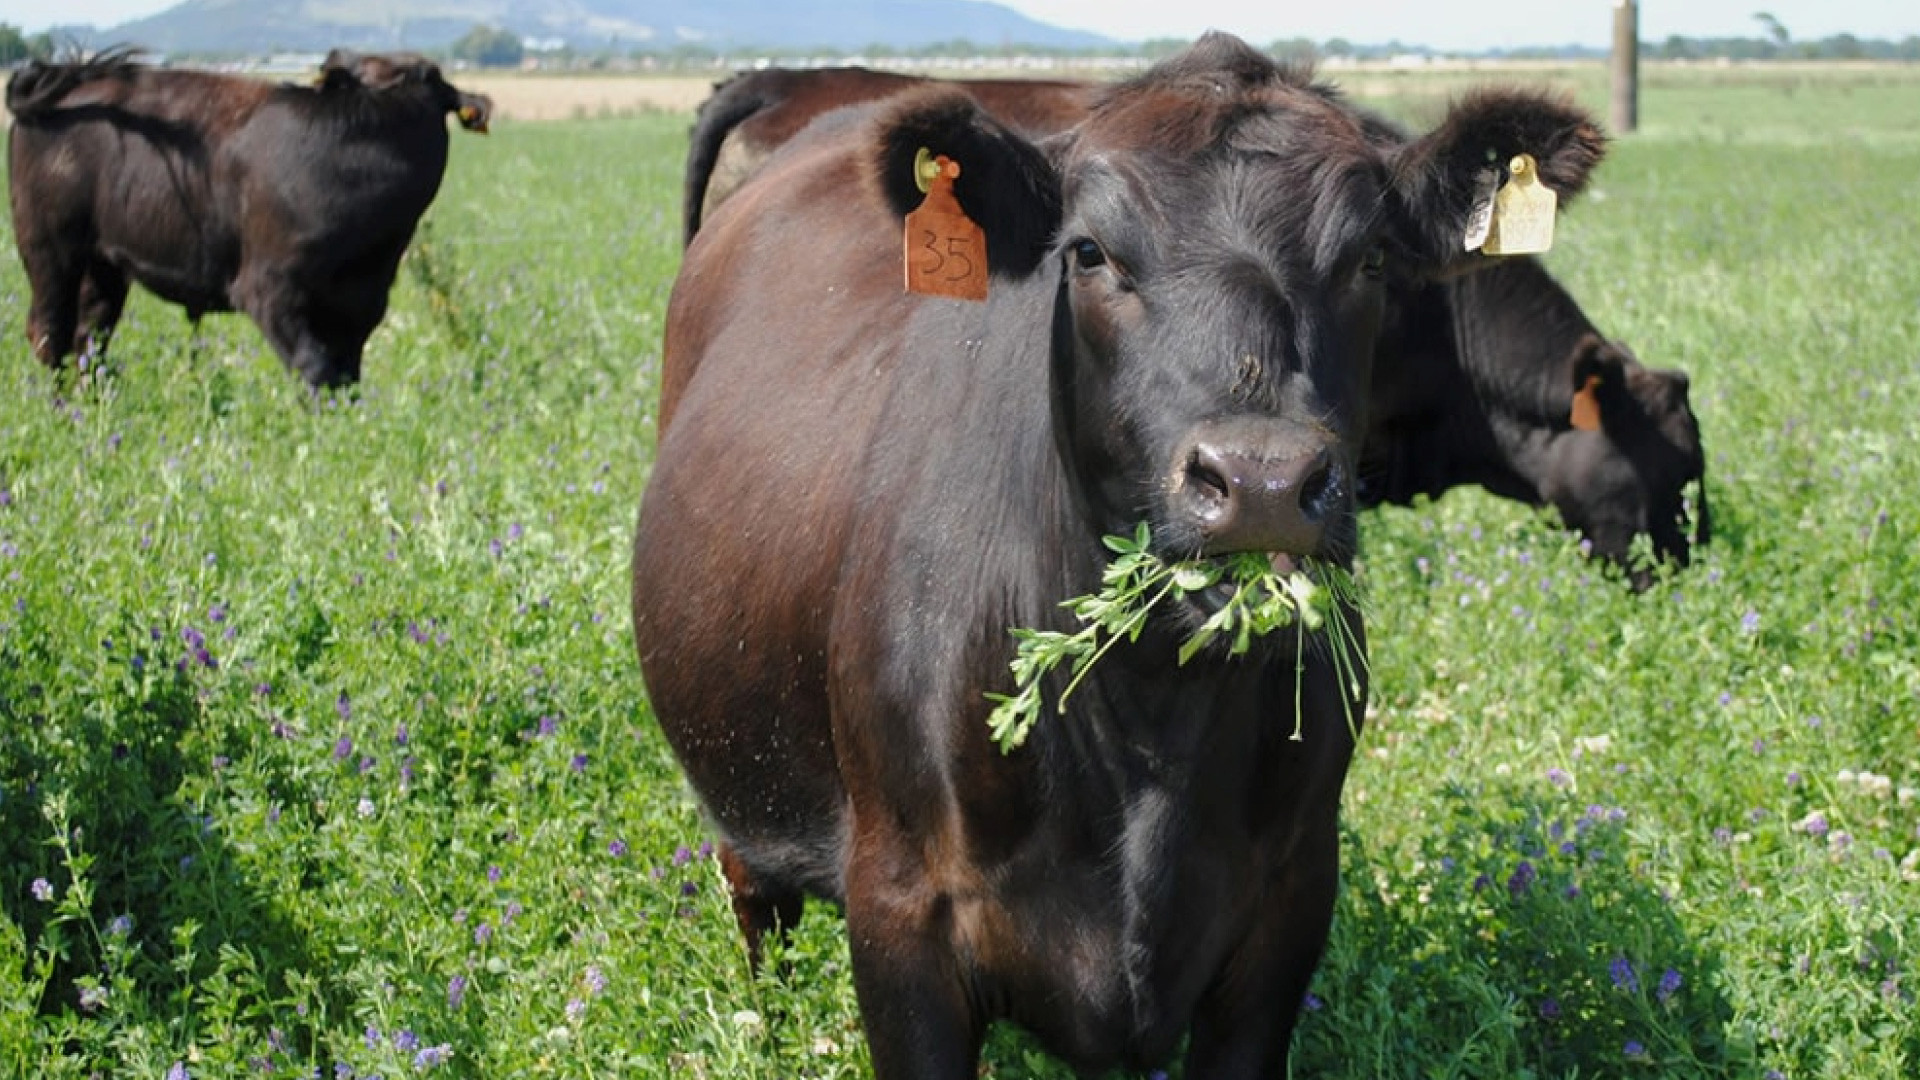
490 46
15 46
1676 48
1297 49
1774 27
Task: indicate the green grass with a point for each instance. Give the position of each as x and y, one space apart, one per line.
411 797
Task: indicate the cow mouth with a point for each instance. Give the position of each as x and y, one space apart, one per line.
1208 602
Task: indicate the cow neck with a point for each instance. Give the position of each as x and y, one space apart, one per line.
1515 331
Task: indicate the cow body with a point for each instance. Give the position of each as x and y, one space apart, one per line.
292 204
858 492
1475 376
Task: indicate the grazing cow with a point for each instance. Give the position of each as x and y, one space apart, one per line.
858 491
1475 379
292 204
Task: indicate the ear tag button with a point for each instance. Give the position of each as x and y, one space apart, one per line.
945 250
1522 212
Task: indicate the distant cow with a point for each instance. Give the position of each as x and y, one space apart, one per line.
858 491
1475 379
291 203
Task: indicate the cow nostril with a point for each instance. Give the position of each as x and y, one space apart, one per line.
1207 482
1317 492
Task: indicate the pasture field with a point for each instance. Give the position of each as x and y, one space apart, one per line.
323 751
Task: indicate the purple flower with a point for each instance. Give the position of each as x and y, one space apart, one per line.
688 888
579 763
405 1041
1669 982
706 849
177 1071
515 531
343 706
1750 622
432 1056
1559 777
576 1011
456 991
494 548
512 911
547 725
194 638
1549 1009
617 848
596 980
343 749
1623 975
1312 1002
42 889
493 875
121 926
682 855
401 735
372 1037
1633 1049
482 934
1522 879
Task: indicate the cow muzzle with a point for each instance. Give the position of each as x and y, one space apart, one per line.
1257 485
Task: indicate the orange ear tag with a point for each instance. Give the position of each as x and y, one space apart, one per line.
1586 406
946 252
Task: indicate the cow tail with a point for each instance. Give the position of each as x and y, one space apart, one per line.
38 87
732 103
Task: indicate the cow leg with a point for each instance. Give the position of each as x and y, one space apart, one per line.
1245 1026
103 296
280 307
53 314
918 1020
759 910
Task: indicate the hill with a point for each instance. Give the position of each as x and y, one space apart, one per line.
260 26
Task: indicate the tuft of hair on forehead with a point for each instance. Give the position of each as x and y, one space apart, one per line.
1199 97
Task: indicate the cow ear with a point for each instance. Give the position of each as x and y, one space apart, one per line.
1597 372
1006 183
1442 176
337 71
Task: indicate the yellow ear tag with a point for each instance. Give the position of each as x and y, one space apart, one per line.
945 251
1522 212
1586 406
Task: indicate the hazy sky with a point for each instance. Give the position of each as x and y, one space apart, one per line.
1438 23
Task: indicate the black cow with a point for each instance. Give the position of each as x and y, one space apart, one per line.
858 491
292 204
1475 379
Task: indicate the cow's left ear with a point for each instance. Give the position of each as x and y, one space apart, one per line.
1441 177
1006 184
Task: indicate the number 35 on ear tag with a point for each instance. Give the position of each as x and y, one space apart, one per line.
946 252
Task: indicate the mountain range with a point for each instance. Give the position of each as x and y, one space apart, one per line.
265 26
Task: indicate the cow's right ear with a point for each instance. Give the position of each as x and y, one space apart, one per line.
339 70
1598 374
1006 184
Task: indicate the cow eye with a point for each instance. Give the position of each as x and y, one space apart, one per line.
1087 254
1374 262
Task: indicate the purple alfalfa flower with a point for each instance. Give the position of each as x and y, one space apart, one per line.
42 889
178 1071
1559 777
515 531
401 736
1521 879
406 771
512 911
1311 1002
682 855
432 1057
344 706
547 726
494 874
1549 1009
1750 622
372 1037
217 613
579 763
343 749
576 1011
1669 983
1623 976
456 991
482 934
121 926
406 1041
595 979
367 764
1634 1050
617 848
689 888
495 548
193 638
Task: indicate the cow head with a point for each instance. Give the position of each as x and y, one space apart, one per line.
1623 466
345 69
1223 232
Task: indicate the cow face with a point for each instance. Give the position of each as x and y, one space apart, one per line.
1625 467
1223 237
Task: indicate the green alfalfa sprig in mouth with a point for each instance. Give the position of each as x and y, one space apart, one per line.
1260 601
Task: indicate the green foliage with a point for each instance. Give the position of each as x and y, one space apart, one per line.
489 46
1257 602
322 744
